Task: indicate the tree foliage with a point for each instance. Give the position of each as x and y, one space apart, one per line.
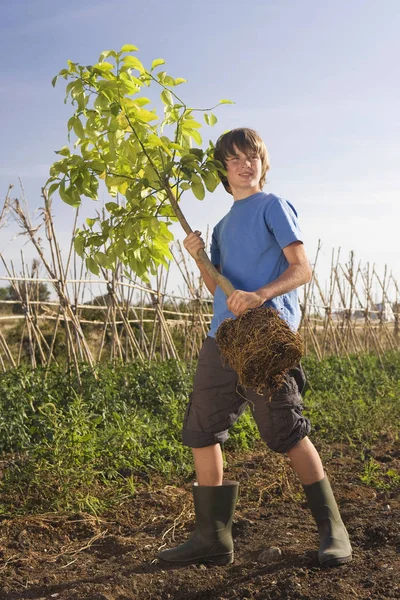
146 161
28 292
31 290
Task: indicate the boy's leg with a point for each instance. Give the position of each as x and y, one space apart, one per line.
285 430
213 407
209 466
335 548
306 462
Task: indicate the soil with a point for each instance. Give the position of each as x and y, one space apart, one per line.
79 557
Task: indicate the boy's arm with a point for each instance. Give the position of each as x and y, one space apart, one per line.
193 243
297 273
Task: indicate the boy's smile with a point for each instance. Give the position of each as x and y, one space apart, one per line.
243 173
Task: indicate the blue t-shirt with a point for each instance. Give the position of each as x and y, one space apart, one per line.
247 245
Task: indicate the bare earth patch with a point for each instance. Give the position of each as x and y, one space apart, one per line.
79 557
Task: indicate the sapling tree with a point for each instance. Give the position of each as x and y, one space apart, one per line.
146 159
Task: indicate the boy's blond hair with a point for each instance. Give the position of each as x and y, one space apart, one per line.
246 140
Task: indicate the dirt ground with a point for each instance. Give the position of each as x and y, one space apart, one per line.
78 557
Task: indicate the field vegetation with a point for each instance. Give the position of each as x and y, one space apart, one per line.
90 444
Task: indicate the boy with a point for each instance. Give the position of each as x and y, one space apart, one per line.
258 246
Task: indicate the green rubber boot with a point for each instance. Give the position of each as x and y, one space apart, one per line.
335 548
212 539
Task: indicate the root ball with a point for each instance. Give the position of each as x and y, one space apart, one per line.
260 347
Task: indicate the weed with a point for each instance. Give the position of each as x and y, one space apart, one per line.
374 475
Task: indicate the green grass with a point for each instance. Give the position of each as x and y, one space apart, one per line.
86 447
353 400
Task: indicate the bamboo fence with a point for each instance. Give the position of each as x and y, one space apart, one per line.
356 312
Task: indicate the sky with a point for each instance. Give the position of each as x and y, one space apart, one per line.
320 82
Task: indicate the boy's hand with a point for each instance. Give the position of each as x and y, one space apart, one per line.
240 301
193 243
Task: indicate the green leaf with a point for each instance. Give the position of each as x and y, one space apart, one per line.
90 186
112 207
65 151
161 76
78 129
110 89
167 98
79 245
157 62
175 146
129 48
168 80
103 260
162 246
91 222
59 166
104 67
180 80
197 152
195 135
211 180
54 81
96 240
131 87
142 101
130 150
218 165
226 101
198 187
92 265
145 115
116 184
190 123
71 122
129 229
69 196
132 62
115 109
154 141
52 188
72 66
97 165
154 225
166 232
212 119
101 104
151 175
106 54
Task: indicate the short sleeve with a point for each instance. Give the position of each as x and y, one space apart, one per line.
214 249
281 219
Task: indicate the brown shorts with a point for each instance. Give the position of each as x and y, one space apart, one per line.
217 402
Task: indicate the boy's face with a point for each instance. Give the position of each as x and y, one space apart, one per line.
243 172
